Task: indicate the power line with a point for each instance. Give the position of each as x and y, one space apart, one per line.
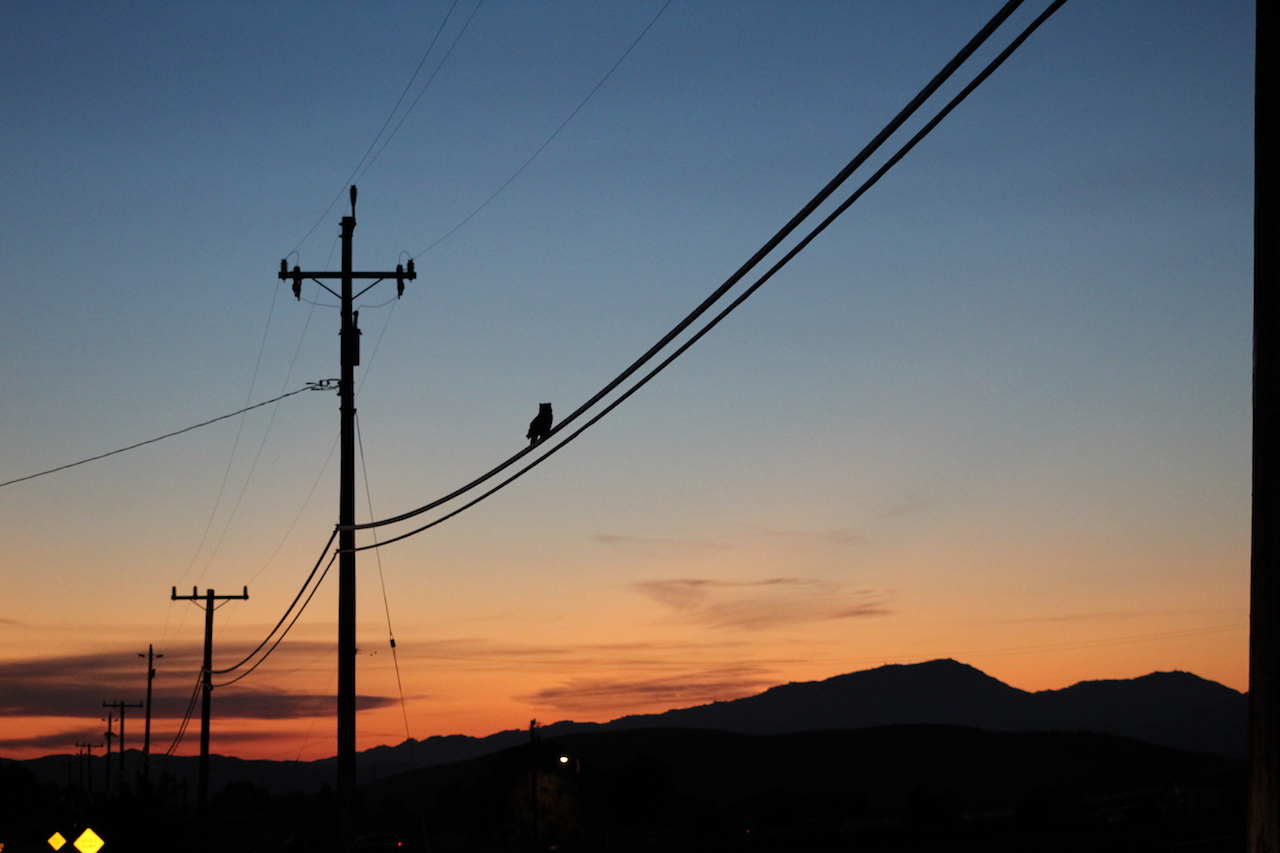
553 135
386 605
390 116
287 611
939 79
430 80
191 707
313 386
284 633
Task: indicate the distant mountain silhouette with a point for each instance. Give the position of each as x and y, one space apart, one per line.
1174 709
1170 708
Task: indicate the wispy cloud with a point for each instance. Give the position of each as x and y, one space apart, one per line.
757 605
1099 616
909 505
618 695
816 537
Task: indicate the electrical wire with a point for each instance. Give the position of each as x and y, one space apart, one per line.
287 611
310 387
939 79
553 135
386 606
284 633
430 80
226 474
390 116
191 707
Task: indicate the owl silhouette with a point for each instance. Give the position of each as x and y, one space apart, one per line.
540 426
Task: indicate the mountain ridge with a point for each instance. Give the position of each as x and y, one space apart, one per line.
1174 709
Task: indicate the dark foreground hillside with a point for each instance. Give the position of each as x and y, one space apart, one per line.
897 788
918 788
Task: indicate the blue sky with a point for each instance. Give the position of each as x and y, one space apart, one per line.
999 411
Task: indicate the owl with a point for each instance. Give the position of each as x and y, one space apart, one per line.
541 425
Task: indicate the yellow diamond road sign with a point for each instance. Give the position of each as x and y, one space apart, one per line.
56 841
88 842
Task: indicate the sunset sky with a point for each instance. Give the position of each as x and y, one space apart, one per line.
998 412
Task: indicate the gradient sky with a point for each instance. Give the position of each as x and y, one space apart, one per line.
998 412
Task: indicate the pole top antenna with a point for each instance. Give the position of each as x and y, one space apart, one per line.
353 200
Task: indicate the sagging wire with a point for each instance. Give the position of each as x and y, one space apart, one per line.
285 632
191 707
289 610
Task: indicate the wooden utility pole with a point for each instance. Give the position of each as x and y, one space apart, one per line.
349 359
121 707
109 734
1264 620
146 737
206 671
86 758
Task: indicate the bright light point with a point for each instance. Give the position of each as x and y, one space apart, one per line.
564 759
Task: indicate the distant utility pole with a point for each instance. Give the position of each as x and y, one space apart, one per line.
106 783
349 358
86 758
206 671
146 737
121 706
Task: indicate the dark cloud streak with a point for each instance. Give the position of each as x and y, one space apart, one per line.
74 686
653 694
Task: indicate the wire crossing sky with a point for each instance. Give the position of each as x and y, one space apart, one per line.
998 411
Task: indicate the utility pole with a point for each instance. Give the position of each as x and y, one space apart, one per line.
533 781
86 759
206 671
121 706
146 737
349 359
106 783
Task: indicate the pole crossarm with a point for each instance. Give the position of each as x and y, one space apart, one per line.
401 274
406 274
